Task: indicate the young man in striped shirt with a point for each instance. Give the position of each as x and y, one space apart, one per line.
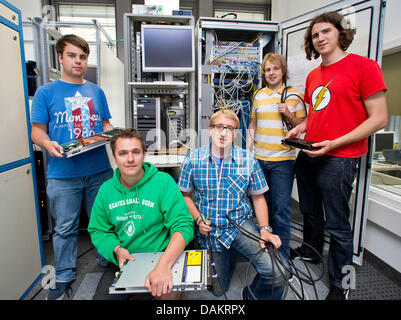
272 112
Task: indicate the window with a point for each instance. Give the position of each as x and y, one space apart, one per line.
77 13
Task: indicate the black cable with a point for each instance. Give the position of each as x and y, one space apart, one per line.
288 284
308 278
284 119
213 263
229 14
318 255
248 269
283 99
292 273
268 245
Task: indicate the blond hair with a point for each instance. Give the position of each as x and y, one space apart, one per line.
276 57
228 113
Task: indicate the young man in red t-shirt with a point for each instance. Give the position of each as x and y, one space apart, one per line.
347 104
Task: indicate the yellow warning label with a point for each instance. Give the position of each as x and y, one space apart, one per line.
194 258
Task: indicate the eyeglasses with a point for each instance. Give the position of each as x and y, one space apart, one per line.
221 128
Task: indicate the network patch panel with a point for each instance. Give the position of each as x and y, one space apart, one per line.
236 57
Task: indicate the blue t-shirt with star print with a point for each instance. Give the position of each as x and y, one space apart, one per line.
72 112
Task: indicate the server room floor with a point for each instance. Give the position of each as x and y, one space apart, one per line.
374 279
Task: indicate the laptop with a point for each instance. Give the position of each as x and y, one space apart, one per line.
74 148
190 272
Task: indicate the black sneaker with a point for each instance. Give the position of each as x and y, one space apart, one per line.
337 293
62 289
298 254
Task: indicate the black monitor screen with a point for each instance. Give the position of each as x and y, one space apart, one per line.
167 48
384 141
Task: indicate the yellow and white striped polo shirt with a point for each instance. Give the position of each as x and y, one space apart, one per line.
269 127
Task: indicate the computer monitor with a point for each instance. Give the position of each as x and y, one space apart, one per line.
384 140
167 48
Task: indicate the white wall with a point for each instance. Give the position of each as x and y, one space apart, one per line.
383 227
29 9
392 27
112 83
286 9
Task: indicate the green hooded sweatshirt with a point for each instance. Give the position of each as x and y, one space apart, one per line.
141 219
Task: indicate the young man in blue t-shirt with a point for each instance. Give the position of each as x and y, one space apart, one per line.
65 110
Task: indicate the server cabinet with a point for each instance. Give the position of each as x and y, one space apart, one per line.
148 78
230 53
20 236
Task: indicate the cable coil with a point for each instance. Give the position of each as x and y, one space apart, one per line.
290 271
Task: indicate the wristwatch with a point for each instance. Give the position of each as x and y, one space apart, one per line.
268 228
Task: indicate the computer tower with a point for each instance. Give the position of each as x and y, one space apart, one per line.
147 121
175 124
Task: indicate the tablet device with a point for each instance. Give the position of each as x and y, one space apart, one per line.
299 143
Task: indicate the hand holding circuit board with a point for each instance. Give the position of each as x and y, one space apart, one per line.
73 148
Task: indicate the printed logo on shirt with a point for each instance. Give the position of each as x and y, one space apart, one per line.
79 116
129 228
321 97
129 201
129 216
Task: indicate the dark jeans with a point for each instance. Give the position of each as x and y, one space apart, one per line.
268 284
280 178
324 187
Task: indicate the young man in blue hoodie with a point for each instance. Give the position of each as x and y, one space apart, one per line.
140 210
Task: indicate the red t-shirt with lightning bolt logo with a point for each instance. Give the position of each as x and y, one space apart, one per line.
335 95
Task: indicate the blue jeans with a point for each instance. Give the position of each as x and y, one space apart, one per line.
280 178
325 186
65 199
264 280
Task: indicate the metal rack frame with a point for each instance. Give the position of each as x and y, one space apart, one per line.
41 32
133 85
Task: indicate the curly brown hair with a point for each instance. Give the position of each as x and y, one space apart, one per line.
339 22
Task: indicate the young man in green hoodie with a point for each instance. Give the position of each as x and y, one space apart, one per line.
140 210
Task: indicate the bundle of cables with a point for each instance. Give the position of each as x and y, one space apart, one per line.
288 270
283 99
